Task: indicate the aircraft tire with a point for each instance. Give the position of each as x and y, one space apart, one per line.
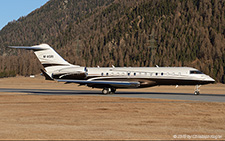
196 93
113 90
105 91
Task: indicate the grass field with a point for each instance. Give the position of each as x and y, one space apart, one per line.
25 116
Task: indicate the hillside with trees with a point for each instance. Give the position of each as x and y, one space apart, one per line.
121 33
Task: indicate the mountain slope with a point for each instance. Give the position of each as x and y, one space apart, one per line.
122 33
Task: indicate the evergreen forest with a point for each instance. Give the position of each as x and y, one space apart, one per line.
142 33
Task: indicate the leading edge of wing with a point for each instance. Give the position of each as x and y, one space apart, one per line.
100 82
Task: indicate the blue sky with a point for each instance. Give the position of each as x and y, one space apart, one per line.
13 9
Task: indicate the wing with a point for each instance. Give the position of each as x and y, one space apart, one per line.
104 83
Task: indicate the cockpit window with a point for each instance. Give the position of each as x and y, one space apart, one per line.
195 72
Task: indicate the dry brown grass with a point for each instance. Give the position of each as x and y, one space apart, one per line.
99 117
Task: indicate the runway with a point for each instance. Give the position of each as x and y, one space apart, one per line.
154 95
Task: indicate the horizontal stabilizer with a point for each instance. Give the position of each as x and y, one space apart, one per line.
34 48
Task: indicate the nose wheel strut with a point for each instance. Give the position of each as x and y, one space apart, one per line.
197 90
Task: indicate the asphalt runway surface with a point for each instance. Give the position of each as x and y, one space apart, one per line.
154 95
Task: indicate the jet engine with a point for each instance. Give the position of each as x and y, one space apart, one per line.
78 73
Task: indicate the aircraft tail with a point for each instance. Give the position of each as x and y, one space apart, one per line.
48 57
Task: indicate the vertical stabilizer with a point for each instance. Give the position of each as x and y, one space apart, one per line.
48 57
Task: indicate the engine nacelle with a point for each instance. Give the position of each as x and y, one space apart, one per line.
78 73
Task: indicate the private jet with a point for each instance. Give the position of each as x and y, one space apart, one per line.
109 79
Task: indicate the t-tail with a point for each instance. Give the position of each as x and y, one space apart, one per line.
48 57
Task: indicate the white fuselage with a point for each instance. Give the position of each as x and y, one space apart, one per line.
147 76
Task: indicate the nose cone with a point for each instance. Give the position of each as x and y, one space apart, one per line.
209 80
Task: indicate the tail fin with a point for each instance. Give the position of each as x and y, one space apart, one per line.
48 57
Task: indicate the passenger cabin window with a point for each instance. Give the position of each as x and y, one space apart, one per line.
156 74
102 74
162 73
107 73
134 74
128 74
195 72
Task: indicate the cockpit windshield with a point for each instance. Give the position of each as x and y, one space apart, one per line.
195 72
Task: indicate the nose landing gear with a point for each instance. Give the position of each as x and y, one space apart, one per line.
197 90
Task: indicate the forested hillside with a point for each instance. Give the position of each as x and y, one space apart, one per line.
121 33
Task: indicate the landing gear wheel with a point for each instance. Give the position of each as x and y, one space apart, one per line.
105 91
197 90
113 90
197 93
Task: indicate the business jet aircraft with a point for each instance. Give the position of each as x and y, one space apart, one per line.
111 78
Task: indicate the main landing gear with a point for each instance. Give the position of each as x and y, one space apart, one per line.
108 91
197 90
